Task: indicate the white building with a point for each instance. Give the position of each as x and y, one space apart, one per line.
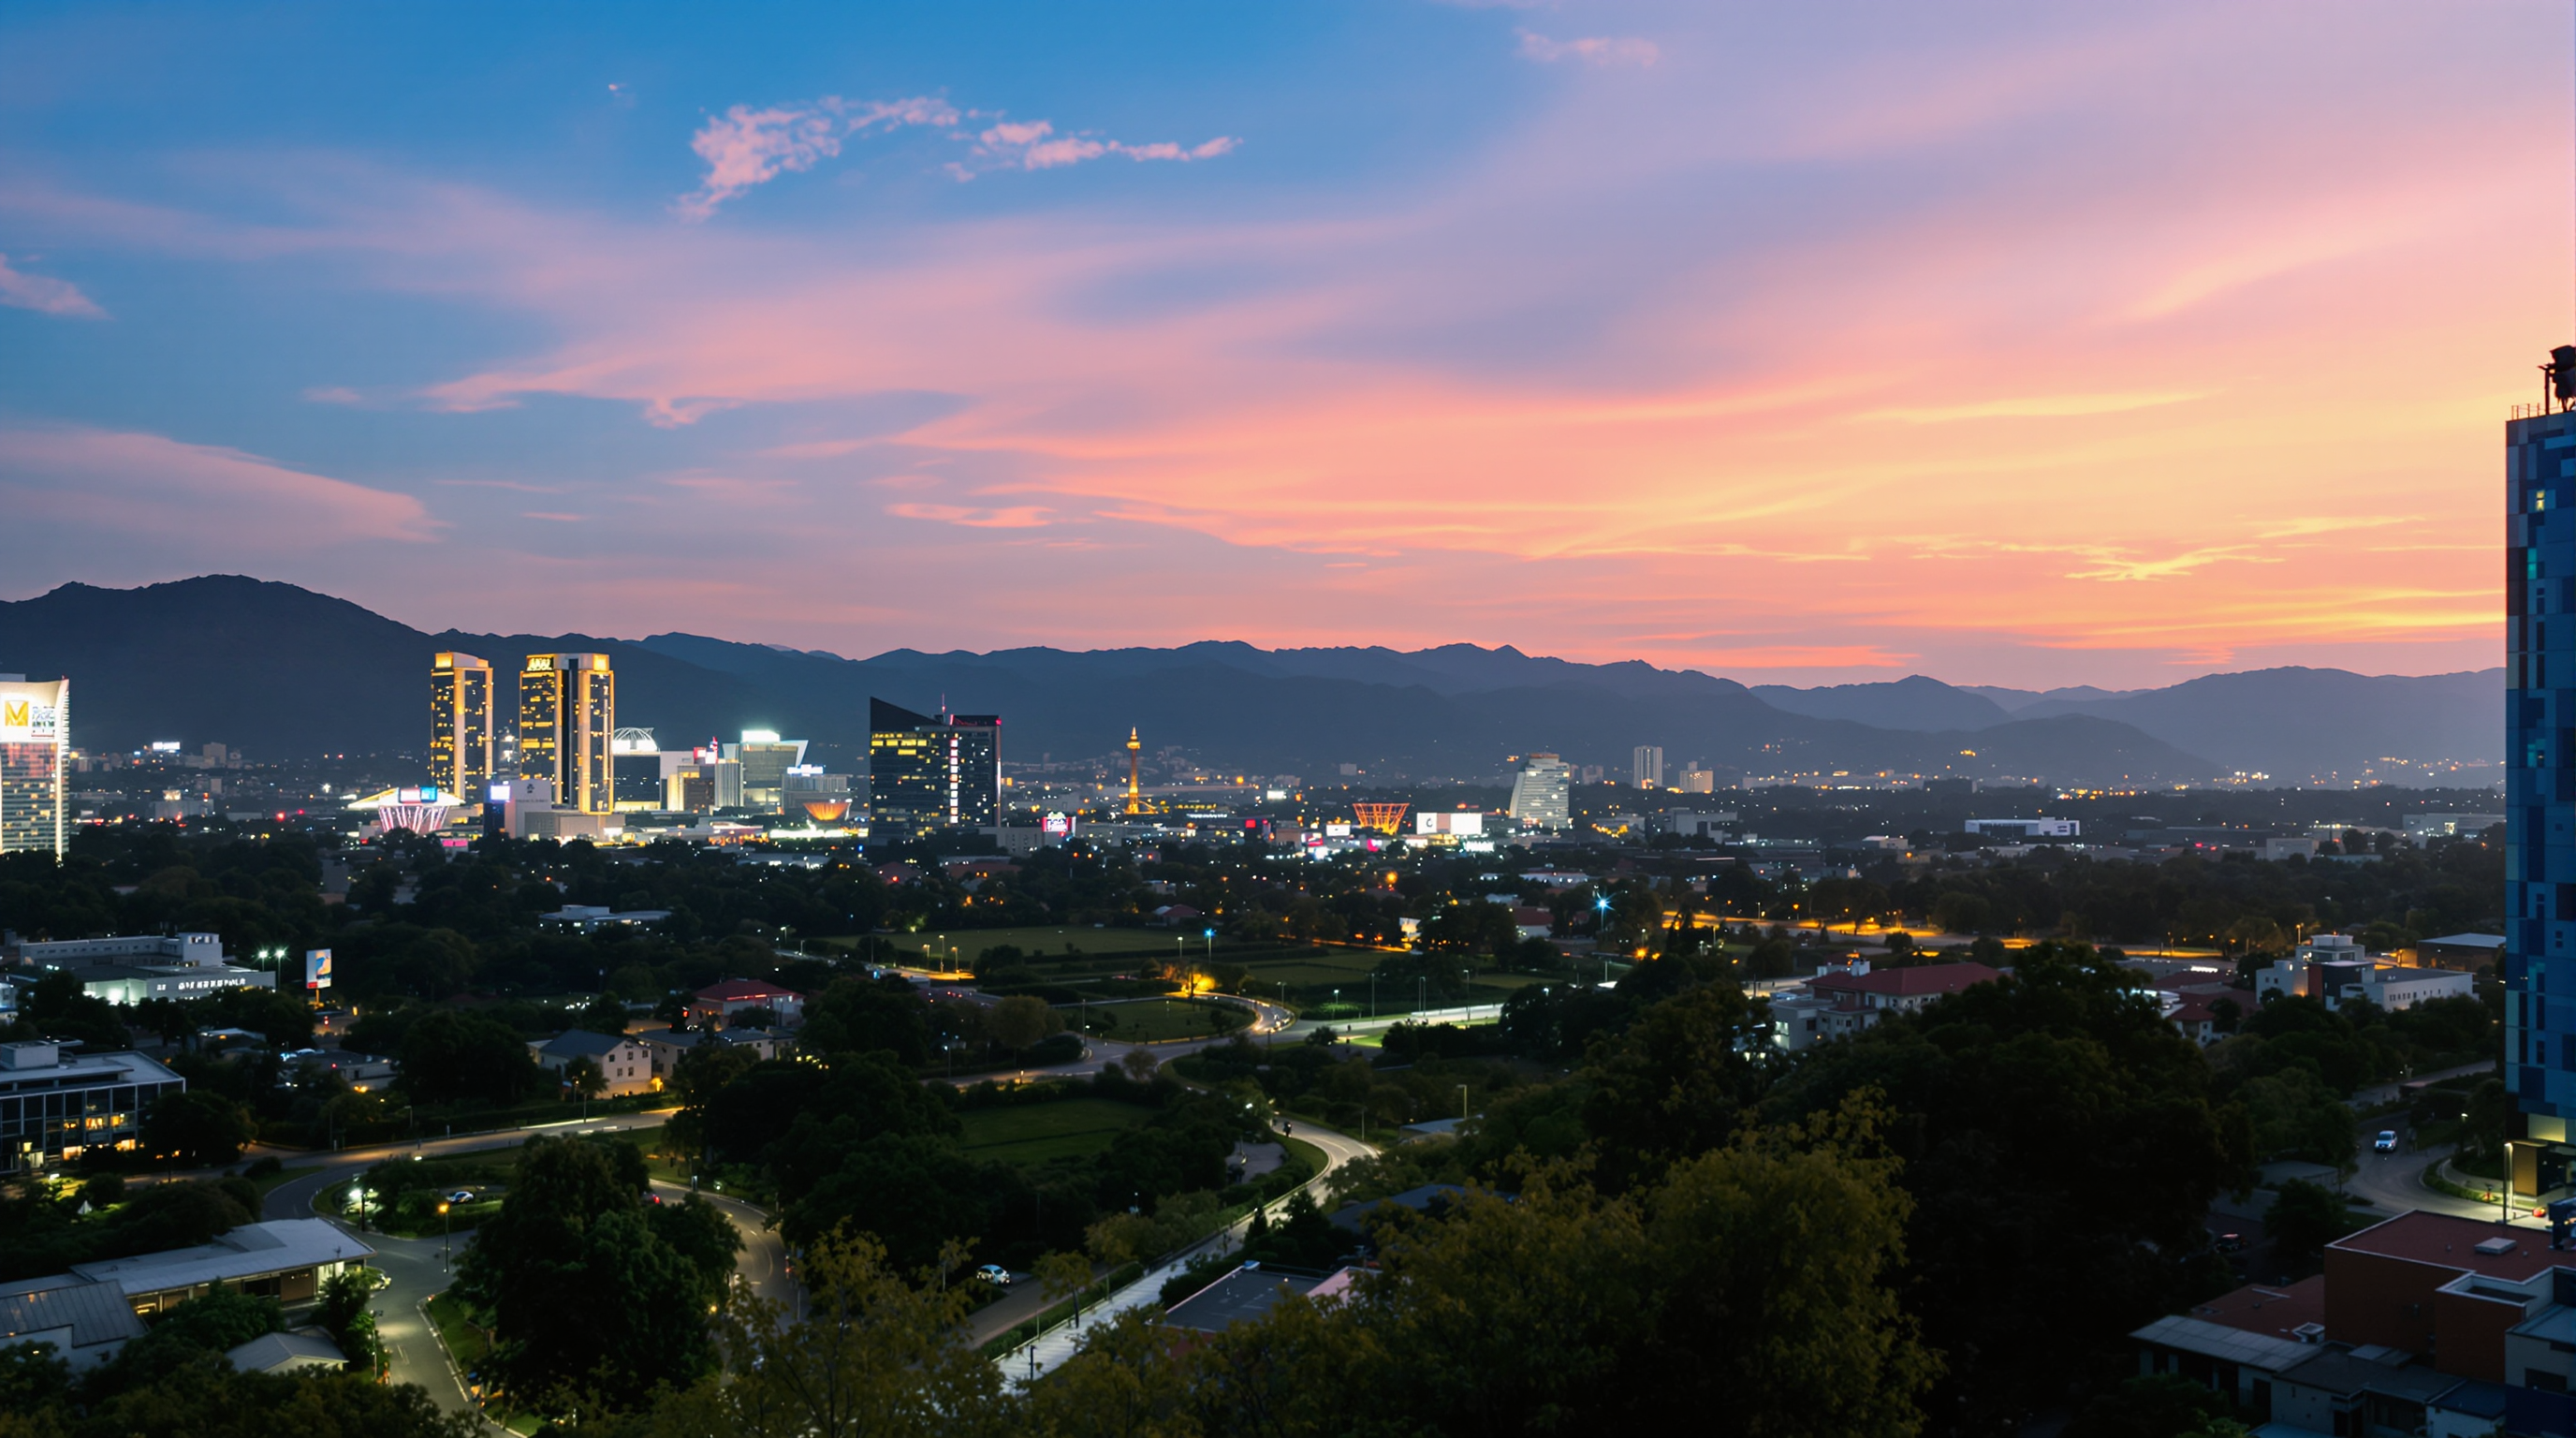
1543 793
2027 828
2335 969
1648 766
625 1064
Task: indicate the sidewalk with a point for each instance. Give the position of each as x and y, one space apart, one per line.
1048 1351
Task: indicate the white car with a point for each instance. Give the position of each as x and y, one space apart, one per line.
462 1195
995 1274
2386 1142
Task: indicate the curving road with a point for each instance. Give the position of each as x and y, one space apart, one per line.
420 1267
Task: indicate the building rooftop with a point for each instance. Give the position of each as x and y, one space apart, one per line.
2231 1345
734 991
2440 1240
580 1044
94 1312
246 1252
2260 1308
1911 982
281 1352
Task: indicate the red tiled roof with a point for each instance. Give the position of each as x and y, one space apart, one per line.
1909 982
734 991
2447 1242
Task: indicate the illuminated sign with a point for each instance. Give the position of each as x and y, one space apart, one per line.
500 794
1060 824
317 968
425 795
1337 831
760 736
537 662
31 714
165 746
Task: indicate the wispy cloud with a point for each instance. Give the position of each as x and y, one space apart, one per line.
2059 406
744 147
1035 145
206 497
1590 49
1022 516
45 294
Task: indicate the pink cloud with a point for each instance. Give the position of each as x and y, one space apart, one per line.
1591 50
745 147
69 484
1014 517
1034 145
45 294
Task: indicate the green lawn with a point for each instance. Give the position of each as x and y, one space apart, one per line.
1149 1020
1037 1132
465 1342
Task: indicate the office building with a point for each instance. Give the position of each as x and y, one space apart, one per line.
460 723
35 738
930 772
56 1106
567 720
635 771
2539 960
1542 793
765 759
1649 766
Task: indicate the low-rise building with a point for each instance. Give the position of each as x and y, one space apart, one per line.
1844 1000
718 1003
288 1259
56 1106
624 1064
129 969
2460 951
2335 969
589 918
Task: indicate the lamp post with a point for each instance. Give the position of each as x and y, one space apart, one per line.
443 1228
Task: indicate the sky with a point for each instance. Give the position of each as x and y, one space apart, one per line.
2029 344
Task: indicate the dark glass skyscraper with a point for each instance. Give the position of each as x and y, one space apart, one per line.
929 772
2539 962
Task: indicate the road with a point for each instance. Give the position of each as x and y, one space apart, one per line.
420 1267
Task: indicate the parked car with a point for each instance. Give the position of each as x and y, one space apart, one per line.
2386 1142
995 1274
462 1195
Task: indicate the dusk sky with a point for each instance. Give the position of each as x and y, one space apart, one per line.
2033 345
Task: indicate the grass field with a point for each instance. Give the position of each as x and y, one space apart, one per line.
1152 1020
1035 1133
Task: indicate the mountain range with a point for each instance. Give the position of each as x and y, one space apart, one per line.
283 672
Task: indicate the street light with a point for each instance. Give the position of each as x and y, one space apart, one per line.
442 1233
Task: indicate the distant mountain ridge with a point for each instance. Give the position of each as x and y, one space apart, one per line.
282 671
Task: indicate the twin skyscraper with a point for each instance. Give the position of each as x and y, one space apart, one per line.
567 715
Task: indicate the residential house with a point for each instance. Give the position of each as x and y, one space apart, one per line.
1843 1000
625 1065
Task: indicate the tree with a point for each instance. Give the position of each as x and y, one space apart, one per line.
585 1298
343 1314
583 1079
451 1057
2030 1256
604 1014
198 1128
872 1355
1019 1021
2302 1220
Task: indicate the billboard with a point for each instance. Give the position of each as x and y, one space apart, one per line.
317 968
31 713
1464 823
1060 825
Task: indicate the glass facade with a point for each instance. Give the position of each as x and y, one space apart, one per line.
50 1115
460 724
567 719
930 772
2538 964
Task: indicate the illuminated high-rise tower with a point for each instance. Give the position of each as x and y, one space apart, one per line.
567 718
35 735
928 772
460 724
2538 964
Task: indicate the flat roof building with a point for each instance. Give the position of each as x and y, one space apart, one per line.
567 720
56 1106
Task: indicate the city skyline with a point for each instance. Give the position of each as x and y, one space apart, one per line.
2017 349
